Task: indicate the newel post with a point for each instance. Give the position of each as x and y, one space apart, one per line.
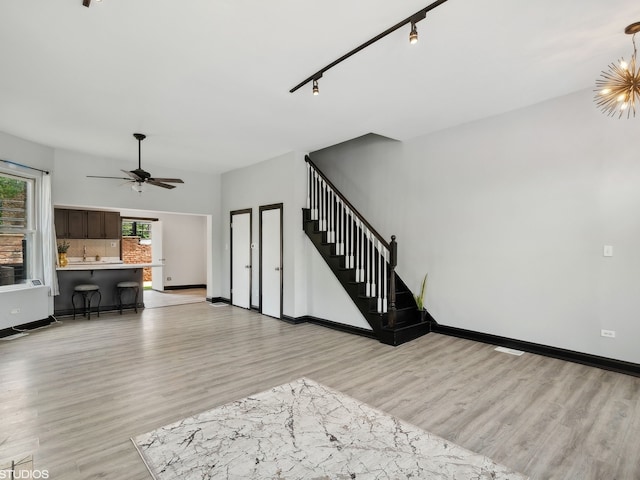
393 261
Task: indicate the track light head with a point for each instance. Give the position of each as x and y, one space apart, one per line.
413 35
316 90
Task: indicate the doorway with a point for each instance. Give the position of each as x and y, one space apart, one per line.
240 227
271 260
141 243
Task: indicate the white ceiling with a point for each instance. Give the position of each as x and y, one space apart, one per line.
208 80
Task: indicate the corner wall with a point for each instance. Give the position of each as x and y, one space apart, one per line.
509 216
273 181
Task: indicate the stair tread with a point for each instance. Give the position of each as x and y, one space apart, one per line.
408 324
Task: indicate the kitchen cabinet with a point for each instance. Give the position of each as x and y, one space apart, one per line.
103 224
112 225
92 224
61 221
77 224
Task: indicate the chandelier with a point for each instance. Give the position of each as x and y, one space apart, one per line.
618 89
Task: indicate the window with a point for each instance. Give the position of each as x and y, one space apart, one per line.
136 228
16 228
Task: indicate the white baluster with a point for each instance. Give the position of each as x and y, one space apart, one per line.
334 219
370 279
323 206
314 203
338 227
357 249
350 262
385 263
308 186
379 276
363 253
314 196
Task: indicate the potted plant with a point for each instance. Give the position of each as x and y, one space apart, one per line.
62 253
420 298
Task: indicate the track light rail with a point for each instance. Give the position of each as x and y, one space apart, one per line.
415 18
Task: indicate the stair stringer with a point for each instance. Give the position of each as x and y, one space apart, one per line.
341 308
409 323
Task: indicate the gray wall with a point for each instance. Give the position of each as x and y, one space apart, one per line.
509 216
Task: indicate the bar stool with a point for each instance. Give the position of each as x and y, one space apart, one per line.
87 291
121 287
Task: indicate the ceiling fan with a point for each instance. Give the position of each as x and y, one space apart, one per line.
140 176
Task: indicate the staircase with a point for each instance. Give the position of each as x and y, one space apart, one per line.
362 261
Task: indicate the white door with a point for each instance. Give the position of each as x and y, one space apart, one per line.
157 257
271 260
241 259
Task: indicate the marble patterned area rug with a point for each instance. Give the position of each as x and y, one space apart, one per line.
304 430
17 467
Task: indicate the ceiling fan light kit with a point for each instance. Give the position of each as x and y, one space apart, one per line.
139 176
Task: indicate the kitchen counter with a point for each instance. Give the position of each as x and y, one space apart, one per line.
106 275
106 266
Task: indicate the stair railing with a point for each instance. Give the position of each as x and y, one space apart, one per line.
363 248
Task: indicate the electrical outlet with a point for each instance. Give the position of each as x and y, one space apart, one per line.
608 333
168 279
607 251
15 311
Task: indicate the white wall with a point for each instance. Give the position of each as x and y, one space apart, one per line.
310 288
509 216
326 297
278 180
22 151
26 302
184 246
200 194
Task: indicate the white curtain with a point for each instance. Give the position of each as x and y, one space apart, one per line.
46 229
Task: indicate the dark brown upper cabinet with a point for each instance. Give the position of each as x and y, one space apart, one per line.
77 224
92 224
112 225
61 220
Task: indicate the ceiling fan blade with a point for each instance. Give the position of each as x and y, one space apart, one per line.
155 182
167 180
99 176
132 175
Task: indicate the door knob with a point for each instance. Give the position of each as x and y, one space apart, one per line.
247 266
277 269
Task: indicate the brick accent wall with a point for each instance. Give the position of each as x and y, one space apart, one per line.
10 249
133 252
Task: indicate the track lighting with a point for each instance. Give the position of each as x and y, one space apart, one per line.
413 35
413 38
619 88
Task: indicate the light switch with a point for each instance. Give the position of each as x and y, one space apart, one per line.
608 251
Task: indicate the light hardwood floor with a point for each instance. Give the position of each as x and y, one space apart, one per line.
74 394
156 299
